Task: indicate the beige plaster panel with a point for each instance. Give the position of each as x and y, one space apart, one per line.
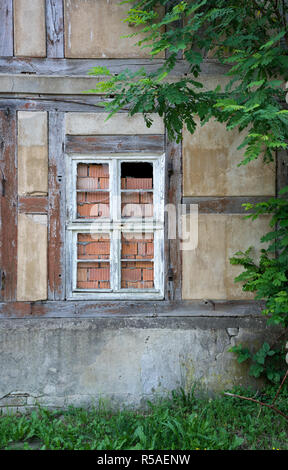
207 272
47 84
94 29
95 123
32 153
210 165
32 257
29 28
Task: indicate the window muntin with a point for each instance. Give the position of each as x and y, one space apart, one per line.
112 254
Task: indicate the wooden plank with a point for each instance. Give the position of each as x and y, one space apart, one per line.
72 67
8 177
6 28
281 170
55 28
33 205
222 205
138 309
173 198
56 208
114 143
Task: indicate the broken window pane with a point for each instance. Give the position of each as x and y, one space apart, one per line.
137 189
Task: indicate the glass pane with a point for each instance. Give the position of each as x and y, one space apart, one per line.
93 190
93 275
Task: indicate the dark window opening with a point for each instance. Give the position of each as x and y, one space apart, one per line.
137 170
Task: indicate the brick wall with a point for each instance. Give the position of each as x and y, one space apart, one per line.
93 275
137 271
137 274
136 203
92 200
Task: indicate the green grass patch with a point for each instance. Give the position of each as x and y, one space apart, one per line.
182 422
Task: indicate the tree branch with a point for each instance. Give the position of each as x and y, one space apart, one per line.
272 407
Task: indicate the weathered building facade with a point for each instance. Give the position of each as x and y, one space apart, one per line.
87 312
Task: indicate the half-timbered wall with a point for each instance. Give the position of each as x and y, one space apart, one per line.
57 351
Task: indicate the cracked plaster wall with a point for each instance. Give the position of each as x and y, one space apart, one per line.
123 361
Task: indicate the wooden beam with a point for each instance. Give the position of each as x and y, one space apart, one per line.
173 277
64 103
127 309
56 208
6 28
114 143
72 67
33 204
222 204
55 28
8 176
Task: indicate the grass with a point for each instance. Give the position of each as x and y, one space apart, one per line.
182 422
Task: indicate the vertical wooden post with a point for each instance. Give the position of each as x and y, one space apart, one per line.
55 29
8 177
173 276
6 28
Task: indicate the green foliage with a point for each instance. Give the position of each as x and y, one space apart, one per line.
181 422
268 277
266 361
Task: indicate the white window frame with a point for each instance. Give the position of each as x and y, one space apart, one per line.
115 225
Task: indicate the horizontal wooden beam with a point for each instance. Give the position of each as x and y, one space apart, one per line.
137 309
72 67
114 143
62 103
33 204
222 204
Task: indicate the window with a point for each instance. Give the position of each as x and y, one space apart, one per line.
115 227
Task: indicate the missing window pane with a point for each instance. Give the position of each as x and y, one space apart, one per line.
136 181
136 175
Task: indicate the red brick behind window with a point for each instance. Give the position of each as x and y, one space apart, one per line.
93 247
137 275
93 276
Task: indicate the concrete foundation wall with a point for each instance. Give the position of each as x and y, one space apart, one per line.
123 361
